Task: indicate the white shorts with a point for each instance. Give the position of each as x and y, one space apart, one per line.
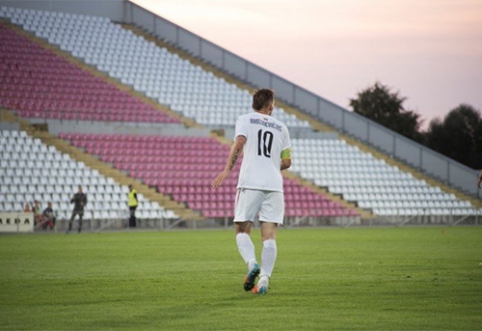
269 204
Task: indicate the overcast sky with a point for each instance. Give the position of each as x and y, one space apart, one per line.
430 51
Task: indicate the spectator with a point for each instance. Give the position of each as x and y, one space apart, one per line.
48 217
79 200
27 209
37 213
132 202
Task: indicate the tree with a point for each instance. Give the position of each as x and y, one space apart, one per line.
458 136
386 108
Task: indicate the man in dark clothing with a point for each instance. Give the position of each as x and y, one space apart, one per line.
79 200
48 217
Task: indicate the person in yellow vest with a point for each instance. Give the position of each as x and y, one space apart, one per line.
132 202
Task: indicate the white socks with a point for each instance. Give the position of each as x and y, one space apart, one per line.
268 254
268 257
246 248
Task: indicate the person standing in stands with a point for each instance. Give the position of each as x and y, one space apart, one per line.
79 200
266 147
132 202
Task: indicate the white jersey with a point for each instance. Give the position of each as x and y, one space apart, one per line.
266 138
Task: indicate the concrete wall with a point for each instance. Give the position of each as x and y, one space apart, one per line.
7 126
56 126
114 9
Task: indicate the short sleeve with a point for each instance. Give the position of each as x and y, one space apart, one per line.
241 128
286 139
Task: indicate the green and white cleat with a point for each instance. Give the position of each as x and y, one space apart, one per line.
262 287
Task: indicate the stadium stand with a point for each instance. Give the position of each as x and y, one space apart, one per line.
39 84
147 68
32 170
373 183
212 101
184 167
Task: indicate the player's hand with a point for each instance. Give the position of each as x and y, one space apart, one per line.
219 179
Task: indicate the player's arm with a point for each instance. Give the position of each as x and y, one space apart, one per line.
234 153
285 159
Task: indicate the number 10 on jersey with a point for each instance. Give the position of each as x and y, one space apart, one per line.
265 142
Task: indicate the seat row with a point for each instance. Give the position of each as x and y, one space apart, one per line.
329 167
19 74
47 181
185 181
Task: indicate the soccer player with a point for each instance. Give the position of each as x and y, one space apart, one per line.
266 147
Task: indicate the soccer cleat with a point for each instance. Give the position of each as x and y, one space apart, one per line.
262 287
251 277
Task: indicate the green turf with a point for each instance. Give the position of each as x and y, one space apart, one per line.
324 279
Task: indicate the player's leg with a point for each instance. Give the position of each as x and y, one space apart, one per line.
268 256
247 251
245 212
245 245
271 214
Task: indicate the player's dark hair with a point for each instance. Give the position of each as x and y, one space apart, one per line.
262 98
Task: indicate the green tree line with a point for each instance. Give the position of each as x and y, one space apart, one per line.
458 135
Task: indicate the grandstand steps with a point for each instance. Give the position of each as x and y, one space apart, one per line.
317 125
103 168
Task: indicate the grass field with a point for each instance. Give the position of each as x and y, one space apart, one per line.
325 279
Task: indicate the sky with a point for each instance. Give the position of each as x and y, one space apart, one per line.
429 51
